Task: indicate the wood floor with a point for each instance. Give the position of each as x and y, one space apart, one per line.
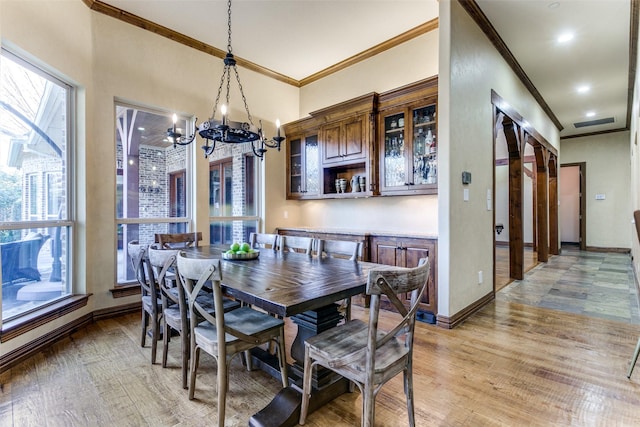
503 278
508 365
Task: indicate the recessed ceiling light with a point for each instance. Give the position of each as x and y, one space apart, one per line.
590 114
141 129
554 5
565 37
583 89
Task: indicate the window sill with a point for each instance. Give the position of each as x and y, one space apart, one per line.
125 290
37 318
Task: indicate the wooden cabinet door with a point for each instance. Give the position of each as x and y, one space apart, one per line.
385 251
344 141
406 252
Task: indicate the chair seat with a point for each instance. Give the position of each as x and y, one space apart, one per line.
332 345
245 320
147 303
172 313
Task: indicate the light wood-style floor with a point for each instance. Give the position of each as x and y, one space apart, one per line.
508 365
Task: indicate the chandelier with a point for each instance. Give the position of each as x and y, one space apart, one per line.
225 130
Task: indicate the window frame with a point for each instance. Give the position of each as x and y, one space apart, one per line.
54 308
184 223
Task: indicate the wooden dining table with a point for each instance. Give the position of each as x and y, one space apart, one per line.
305 288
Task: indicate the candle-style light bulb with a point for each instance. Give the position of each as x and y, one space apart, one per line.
223 109
175 119
278 127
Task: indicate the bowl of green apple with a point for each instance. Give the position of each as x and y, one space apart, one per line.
240 251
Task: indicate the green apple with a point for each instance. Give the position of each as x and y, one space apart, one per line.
235 247
245 247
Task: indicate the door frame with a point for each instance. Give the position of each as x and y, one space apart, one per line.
582 218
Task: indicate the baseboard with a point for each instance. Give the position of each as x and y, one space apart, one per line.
22 353
453 321
107 313
615 250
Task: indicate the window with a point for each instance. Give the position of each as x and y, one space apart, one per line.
35 222
151 180
233 212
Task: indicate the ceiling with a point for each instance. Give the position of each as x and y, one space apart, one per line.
298 38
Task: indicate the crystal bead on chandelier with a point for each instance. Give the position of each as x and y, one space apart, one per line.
225 130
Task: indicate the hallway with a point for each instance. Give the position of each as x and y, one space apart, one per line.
594 284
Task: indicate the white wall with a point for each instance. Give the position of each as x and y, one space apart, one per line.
470 67
608 172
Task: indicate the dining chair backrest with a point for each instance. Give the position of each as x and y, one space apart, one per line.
339 249
163 264
390 284
363 353
224 335
139 261
263 241
178 240
134 249
299 244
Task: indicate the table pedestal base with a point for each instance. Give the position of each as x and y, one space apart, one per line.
284 409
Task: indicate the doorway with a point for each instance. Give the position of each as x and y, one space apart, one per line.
573 205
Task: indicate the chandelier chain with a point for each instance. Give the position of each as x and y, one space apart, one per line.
244 99
229 26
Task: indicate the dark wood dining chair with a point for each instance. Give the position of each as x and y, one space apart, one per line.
634 359
224 334
299 244
340 249
365 354
151 301
178 240
263 241
175 315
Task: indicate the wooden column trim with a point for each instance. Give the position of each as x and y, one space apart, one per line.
516 243
554 246
542 197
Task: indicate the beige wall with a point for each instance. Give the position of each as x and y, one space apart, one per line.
608 172
470 68
108 59
634 200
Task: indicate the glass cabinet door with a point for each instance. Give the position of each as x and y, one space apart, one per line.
304 173
311 166
394 161
424 145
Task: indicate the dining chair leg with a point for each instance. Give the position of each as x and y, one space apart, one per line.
184 347
306 386
635 359
282 359
145 324
369 408
195 359
408 392
223 384
155 336
165 343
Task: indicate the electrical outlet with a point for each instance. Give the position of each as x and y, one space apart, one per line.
480 277
286 214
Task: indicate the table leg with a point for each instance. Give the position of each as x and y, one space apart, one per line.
284 409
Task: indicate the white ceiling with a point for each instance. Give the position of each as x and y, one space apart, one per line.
298 38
